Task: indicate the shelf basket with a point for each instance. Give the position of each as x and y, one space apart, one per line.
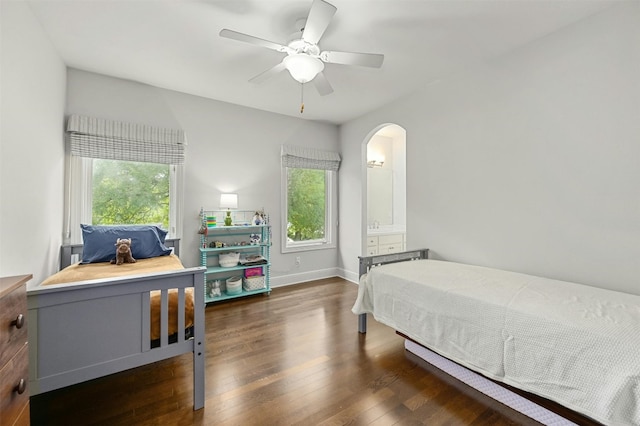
234 285
228 260
256 282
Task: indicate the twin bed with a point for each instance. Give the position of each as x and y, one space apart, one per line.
573 344
91 320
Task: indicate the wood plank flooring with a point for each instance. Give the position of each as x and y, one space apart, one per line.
292 358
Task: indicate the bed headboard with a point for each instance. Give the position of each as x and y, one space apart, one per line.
368 262
66 251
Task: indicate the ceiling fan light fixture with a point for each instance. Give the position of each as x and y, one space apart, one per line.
303 68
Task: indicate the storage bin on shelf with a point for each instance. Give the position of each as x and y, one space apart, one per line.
230 259
256 282
234 285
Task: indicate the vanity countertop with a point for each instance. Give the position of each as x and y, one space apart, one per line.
386 230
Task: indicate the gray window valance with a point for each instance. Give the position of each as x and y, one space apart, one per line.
309 158
115 140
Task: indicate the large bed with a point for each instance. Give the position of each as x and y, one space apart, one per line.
576 345
82 327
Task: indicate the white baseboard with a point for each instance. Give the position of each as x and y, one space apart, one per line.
284 280
302 277
348 275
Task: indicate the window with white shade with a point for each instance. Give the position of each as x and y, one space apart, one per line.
308 198
122 173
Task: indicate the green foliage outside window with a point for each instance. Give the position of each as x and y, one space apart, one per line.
127 192
306 204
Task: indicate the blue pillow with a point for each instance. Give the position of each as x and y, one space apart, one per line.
100 241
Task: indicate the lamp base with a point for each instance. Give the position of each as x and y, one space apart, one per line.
227 220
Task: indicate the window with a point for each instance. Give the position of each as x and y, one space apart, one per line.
122 173
309 199
115 192
129 193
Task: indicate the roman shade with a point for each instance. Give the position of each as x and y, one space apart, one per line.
309 158
116 140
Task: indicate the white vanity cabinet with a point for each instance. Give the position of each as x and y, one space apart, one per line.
385 243
372 245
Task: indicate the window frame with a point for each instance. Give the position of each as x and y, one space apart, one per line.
331 214
79 198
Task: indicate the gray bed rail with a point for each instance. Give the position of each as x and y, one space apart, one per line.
368 262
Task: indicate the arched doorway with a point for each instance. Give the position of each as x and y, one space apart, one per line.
385 209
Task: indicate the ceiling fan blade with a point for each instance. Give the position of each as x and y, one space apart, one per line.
234 35
267 74
373 60
318 20
322 84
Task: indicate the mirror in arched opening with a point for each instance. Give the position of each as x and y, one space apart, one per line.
386 191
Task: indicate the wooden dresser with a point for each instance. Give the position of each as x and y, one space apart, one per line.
14 353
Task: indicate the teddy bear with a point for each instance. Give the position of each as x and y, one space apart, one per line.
123 252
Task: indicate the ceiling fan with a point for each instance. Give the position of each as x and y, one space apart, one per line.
305 61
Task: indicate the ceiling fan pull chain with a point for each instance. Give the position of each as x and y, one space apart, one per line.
301 98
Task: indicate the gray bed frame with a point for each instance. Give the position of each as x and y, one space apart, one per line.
368 262
89 329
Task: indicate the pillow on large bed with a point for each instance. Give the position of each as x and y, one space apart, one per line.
99 241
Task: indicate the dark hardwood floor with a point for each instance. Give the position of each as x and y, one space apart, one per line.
292 358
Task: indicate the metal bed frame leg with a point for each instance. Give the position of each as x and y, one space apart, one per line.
362 323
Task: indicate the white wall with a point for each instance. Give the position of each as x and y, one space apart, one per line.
230 149
529 162
31 146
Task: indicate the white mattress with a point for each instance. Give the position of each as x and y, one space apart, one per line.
574 344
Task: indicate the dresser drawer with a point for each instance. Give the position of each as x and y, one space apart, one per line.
390 239
372 241
12 338
390 248
12 403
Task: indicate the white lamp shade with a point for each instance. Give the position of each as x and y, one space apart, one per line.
303 68
228 201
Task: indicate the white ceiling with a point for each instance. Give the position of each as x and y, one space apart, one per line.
175 44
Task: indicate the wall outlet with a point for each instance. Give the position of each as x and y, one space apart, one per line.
297 260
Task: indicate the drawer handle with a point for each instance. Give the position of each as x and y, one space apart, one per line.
21 386
19 321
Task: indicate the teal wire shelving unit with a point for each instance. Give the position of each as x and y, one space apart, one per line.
235 238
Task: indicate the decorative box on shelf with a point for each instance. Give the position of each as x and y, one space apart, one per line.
240 251
252 272
255 282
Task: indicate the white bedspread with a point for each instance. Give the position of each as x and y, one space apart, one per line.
574 344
